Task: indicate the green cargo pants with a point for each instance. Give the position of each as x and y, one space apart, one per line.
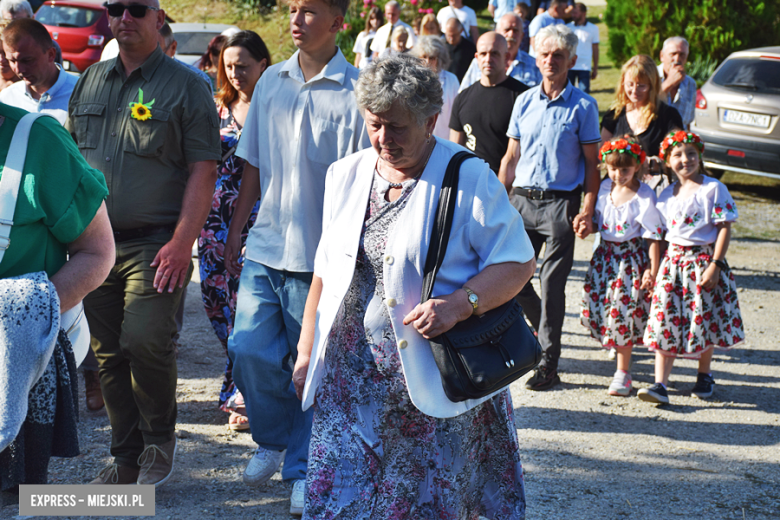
132 326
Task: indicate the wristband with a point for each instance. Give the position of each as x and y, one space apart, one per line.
724 266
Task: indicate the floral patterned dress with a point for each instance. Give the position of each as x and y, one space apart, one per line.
614 309
218 287
685 319
372 453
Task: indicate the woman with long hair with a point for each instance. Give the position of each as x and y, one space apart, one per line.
638 110
430 26
362 48
242 61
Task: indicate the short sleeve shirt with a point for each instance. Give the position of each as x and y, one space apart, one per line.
465 15
59 196
638 217
692 221
294 131
587 35
145 162
551 134
540 22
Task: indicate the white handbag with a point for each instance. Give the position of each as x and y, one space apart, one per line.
72 321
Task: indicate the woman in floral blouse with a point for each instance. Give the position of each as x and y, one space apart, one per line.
241 63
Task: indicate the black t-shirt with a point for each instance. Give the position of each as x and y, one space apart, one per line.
667 119
483 114
461 55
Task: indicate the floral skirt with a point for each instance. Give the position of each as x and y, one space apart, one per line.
613 308
685 319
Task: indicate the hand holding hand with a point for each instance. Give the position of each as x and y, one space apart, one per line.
710 277
647 280
438 315
583 224
299 375
172 262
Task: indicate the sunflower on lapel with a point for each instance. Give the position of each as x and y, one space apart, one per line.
140 110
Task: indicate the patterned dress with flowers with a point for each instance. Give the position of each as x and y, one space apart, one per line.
685 319
614 309
218 287
372 453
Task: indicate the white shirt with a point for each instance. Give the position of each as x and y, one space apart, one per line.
637 217
449 86
383 35
691 221
293 132
54 101
486 230
465 15
360 47
588 34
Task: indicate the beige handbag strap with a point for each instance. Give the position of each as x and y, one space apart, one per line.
12 177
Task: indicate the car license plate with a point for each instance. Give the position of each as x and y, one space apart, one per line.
745 118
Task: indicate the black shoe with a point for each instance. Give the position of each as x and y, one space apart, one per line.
704 386
655 394
543 379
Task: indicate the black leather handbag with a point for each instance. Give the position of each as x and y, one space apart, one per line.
481 354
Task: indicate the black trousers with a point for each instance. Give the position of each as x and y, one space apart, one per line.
549 222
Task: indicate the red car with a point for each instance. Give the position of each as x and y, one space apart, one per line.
80 27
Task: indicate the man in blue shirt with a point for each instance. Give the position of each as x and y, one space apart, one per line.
552 155
552 16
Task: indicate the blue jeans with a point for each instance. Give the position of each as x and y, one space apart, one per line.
263 348
580 78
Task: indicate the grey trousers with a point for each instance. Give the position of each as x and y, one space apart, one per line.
549 222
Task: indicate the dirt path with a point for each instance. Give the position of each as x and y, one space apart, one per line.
586 455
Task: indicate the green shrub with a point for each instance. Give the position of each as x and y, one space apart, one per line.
701 68
714 28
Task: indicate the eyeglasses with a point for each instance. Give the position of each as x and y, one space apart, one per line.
136 10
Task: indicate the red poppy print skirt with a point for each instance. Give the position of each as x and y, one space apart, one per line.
613 308
686 319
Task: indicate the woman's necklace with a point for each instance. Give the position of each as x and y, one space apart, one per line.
398 185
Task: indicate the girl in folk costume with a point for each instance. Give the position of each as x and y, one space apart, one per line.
616 296
694 305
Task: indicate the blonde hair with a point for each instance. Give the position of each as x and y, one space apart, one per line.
429 18
639 68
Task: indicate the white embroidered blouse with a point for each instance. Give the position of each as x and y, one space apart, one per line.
636 218
691 221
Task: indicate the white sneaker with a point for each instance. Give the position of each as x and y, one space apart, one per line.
263 465
621 384
297 497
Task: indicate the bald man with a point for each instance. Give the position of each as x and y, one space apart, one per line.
150 125
519 65
481 113
461 49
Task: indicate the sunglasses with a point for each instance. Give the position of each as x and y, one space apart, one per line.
136 10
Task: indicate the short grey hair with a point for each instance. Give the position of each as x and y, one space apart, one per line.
14 6
563 36
401 78
394 4
434 47
673 40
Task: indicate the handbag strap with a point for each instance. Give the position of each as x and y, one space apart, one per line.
442 223
12 177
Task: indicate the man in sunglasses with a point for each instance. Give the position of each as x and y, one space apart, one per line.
149 124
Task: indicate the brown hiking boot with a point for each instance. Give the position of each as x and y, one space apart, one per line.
116 474
157 463
93 392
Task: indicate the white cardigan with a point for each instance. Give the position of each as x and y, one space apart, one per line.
486 230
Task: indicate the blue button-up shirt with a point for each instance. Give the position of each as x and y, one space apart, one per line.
54 101
523 69
551 134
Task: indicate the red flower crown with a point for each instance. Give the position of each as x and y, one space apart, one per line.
679 137
623 146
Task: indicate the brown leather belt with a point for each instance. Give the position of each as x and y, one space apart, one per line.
123 235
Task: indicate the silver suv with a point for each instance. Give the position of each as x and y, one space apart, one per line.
737 114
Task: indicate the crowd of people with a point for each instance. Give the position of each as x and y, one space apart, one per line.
311 187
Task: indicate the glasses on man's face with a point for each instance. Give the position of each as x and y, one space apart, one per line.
136 10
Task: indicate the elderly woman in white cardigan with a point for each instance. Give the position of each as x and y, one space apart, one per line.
386 441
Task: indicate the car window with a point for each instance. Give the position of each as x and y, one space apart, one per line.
193 42
64 16
752 74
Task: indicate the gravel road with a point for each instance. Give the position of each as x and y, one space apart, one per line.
586 455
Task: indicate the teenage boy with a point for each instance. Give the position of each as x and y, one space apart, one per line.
303 118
